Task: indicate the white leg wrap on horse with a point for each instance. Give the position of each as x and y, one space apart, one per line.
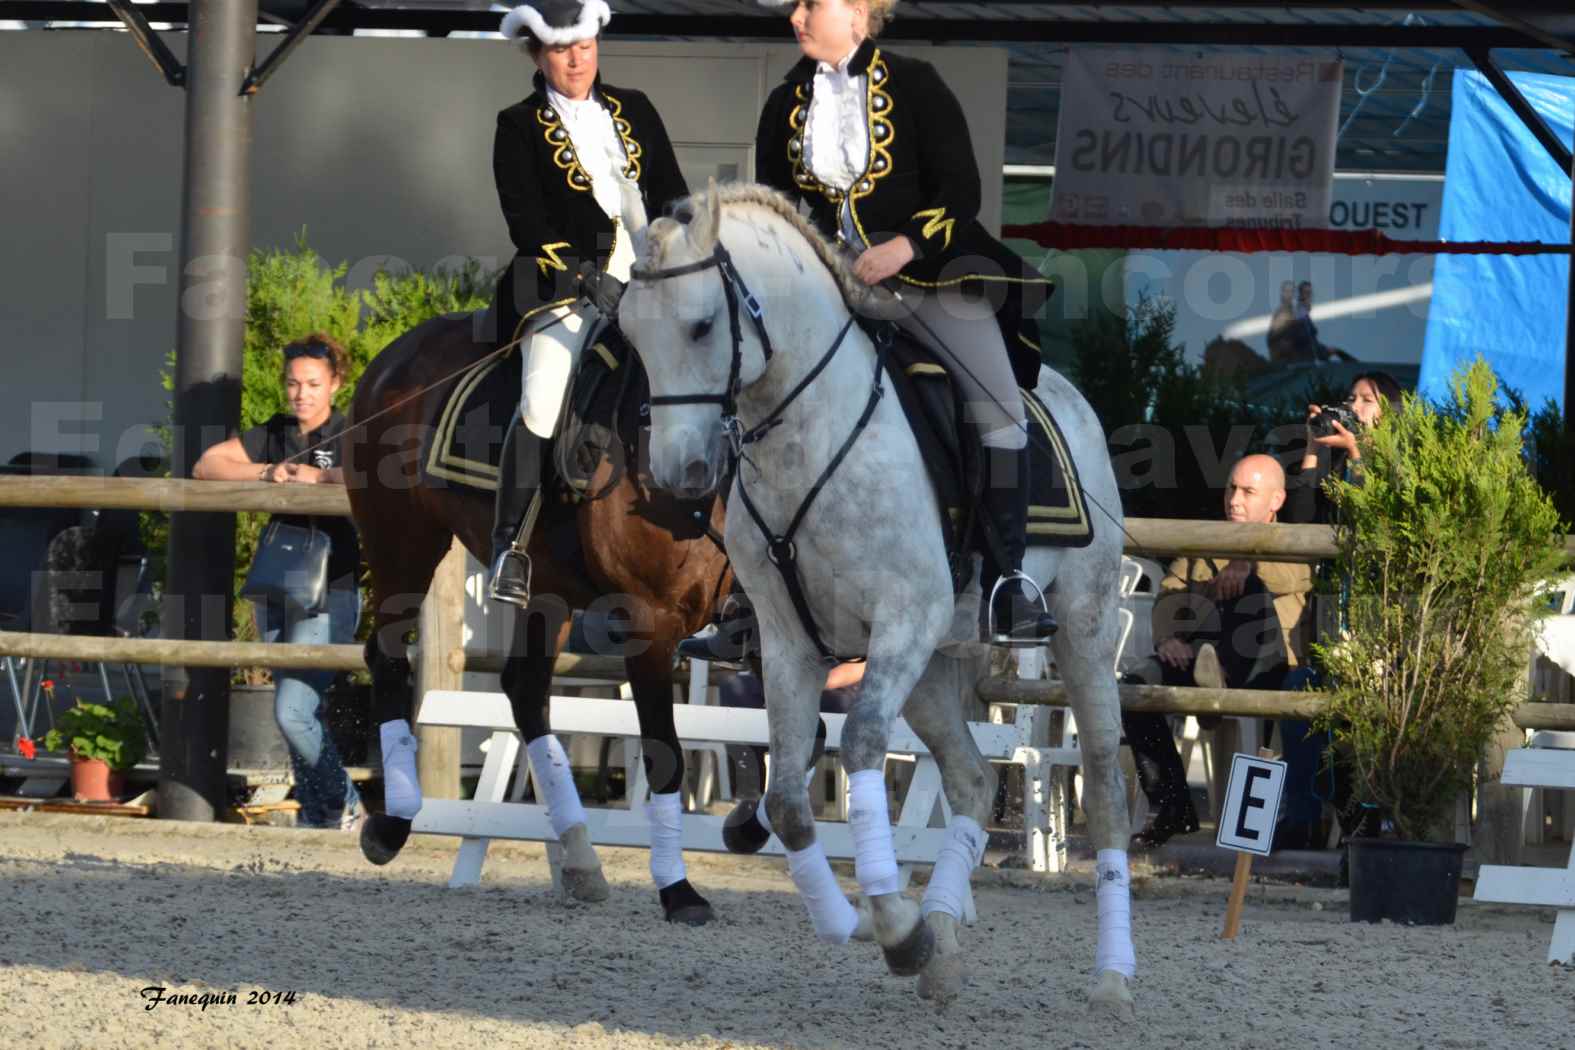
1114 901
666 814
555 783
401 785
964 849
830 913
874 855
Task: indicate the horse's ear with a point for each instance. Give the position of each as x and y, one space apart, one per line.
633 206
707 224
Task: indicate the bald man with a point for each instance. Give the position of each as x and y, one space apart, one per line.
1232 625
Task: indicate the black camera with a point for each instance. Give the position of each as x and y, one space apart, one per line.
1322 424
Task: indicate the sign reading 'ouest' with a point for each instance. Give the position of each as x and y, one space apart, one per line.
1151 138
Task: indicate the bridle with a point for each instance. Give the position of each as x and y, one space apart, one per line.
779 548
737 293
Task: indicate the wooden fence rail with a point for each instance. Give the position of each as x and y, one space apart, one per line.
172 495
173 652
1147 537
1249 703
1245 703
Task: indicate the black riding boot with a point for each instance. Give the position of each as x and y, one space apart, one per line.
727 638
1017 614
510 563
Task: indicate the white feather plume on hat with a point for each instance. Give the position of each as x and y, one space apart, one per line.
557 21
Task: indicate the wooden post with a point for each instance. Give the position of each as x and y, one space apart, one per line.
1238 886
1238 897
442 632
1227 741
1498 836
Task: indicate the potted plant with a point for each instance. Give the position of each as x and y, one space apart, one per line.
105 740
1445 540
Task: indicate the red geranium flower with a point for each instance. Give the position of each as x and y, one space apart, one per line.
26 746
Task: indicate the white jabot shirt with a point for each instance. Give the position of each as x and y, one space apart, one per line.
837 140
597 145
600 152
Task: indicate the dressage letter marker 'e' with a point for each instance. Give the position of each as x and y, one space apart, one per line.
1252 801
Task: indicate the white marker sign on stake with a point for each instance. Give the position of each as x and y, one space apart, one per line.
1252 801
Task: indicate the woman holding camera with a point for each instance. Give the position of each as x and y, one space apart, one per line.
301 447
1332 447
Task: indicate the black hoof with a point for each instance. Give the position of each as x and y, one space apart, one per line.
913 954
383 836
742 831
682 904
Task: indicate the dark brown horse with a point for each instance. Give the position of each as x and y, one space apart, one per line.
641 549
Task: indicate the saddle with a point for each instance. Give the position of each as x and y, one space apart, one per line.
603 417
1057 512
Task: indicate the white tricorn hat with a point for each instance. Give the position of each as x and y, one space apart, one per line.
556 21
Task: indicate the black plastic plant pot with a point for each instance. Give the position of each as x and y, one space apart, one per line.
1415 883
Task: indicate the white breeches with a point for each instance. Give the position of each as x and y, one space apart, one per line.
551 355
553 352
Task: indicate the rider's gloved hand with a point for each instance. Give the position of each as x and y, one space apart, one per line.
602 289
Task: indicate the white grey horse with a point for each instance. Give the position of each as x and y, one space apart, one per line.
731 311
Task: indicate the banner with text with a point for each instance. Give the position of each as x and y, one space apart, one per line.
1155 139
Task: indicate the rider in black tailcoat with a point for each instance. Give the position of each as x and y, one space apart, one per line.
560 158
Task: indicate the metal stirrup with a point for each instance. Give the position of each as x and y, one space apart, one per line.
995 633
497 569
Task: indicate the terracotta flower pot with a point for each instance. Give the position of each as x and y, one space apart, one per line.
93 781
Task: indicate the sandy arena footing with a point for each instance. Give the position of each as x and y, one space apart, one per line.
96 910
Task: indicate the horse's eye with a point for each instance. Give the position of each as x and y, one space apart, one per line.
700 330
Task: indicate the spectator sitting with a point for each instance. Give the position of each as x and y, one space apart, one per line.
1235 626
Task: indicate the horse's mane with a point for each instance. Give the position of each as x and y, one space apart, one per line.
660 234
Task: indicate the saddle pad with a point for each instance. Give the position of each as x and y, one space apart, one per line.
1057 511
467 442
465 446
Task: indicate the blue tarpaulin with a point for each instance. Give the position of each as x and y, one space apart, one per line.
1501 185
